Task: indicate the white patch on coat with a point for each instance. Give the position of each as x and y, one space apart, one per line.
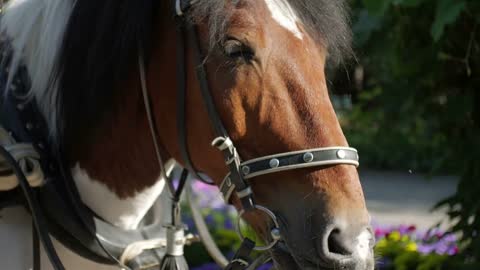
363 245
124 213
283 13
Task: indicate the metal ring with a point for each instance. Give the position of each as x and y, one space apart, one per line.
275 222
178 8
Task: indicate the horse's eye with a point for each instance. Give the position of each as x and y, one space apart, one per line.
235 49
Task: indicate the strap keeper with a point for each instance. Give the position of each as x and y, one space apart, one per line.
226 188
247 203
178 8
244 193
222 143
240 259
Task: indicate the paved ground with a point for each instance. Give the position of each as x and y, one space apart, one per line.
405 198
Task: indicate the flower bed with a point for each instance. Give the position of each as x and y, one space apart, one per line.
404 247
399 247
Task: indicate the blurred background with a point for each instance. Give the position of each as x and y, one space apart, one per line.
409 100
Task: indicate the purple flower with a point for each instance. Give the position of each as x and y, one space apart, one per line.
266 266
384 263
425 248
449 237
207 266
403 229
210 220
441 248
452 250
228 224
431 241
379 232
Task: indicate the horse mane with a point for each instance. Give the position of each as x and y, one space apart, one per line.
35 30
100 46
78 52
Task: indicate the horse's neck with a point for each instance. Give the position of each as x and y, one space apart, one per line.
116 170
117 176
125 213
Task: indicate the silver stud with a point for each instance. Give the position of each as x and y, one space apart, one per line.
20 107
274 163
29 126
275 233
41 146
308 157
341 154
245 170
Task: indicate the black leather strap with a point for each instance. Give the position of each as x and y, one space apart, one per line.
36 212
230 154
241 259
36 249
182 99
182 102
213 115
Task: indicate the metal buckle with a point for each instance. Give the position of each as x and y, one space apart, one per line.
274 230
178 8
222 143
240 262
227 188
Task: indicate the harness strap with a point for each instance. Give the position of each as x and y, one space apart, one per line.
223 141
27 158
182 100
182 104
36 212
36 249
241 259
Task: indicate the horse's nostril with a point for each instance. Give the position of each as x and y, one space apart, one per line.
339 244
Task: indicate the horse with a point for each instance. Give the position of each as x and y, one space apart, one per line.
249 75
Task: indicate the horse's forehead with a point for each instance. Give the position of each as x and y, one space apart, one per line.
284 15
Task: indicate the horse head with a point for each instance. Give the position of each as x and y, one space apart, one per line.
265 63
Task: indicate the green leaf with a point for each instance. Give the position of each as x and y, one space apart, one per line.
364 27
377 7
447 12
408 3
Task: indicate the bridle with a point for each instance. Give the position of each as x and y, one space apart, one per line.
236 181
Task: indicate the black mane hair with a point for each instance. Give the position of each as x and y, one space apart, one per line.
101 45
